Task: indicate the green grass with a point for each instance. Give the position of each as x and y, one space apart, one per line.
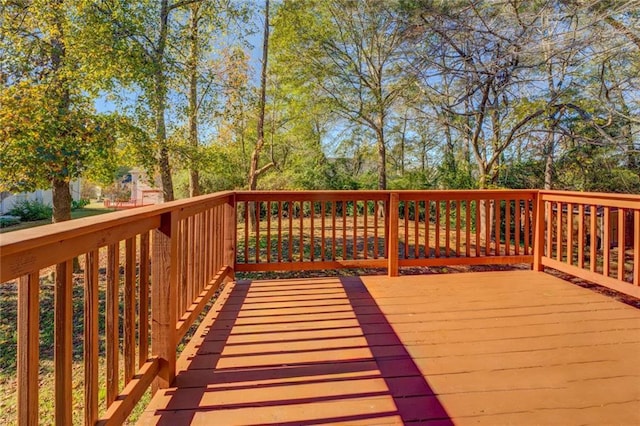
91 210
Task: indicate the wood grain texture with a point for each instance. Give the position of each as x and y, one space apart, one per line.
460 349
91 336
392 233
28 362
112 336
129 341
163 299
143 300
636 248
63 343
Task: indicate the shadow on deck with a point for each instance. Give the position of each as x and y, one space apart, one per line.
516 347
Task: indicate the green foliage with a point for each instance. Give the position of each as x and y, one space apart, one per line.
29 210
75 205
593 168
6 221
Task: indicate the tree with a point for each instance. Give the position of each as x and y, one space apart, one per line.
254 169
350 54
50 132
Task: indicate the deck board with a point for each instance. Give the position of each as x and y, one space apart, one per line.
512 347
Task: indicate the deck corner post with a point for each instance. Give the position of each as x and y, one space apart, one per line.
538 235
392 234
164 278
230 236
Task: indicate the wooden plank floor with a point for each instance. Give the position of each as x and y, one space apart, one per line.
515 347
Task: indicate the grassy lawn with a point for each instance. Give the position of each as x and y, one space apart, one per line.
90 210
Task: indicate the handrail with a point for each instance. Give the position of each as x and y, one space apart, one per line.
293 230
163 263
594 236
158 262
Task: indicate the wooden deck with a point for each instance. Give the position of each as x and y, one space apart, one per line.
517 347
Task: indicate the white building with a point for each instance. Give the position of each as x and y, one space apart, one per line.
44 196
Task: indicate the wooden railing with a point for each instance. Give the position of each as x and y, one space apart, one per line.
594 236
160 265
383 229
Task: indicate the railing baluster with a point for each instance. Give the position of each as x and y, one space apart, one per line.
621 248
593 242
392 254
63 343
427 226
559 238
416 230
312 242
129 310
498 228
570 233
529 211
467 225
437 229
28 348
112 323
197 250
91 355
322 228
478 229
143 303
334 205
183 231
487 227
549 226
458 227
581 236
405 211
376 213
344 230
355 229
246 231
290 231
636 247
279 231
365 235
301 231
447 227
258 206
517 226
606 244
268 231
507 227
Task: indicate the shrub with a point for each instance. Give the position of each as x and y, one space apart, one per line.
31 210
79 204
6 221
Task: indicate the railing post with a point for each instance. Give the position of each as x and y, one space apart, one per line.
538 234
392 234
164 269
230 236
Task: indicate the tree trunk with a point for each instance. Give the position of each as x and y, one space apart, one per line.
254 171
160 105
548 163
194 178
382 157
61 200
